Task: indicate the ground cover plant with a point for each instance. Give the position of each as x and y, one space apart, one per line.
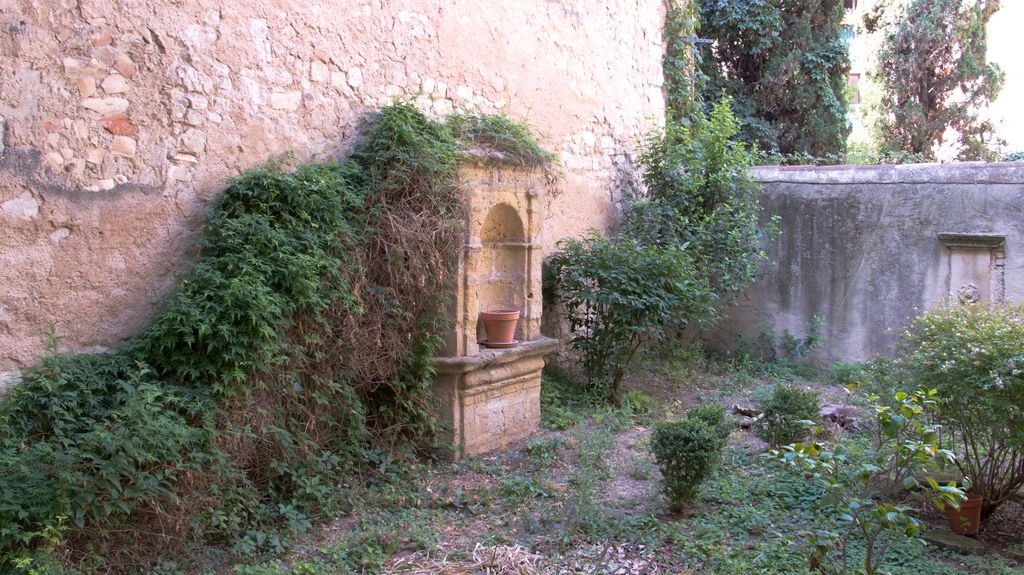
587 497
294 353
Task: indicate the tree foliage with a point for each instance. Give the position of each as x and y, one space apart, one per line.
684 80
699 194
784 63
934 76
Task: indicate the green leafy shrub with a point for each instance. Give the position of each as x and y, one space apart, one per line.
715 417
848 374
858 487
785 414
687 245
698 193
619 293
974 356
687 452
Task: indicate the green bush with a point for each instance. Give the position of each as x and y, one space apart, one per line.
687 452
974 356
699 193
785 414
715 417
689 242
848 374
618 294
88 440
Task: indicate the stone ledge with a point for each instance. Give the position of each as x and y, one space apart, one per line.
951 173
493 357
972 240
950 540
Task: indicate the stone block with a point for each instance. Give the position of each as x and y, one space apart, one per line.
123 146
106 106
285 100
115 84
23 207
950 540
491 399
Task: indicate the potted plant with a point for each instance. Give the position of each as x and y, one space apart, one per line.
967 519
500 326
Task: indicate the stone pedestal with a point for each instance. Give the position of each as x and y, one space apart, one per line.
490 397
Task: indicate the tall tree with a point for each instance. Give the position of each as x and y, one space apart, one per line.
785 64
934 76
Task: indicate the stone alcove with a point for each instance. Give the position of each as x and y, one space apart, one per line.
490 397
499 268
975 266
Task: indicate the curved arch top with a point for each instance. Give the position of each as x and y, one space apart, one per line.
502 224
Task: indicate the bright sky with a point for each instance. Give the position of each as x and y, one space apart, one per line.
1005 48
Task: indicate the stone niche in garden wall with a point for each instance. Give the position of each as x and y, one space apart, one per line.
490 397
976 262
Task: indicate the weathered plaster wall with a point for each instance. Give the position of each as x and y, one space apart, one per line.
860 247
120 119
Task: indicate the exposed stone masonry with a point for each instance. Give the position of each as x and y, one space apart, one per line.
119 120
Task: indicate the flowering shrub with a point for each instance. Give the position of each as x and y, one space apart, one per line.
974 355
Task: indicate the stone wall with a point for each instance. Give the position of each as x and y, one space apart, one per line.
120 120
867 248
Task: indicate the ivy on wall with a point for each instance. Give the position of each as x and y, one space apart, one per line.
295 352
784 63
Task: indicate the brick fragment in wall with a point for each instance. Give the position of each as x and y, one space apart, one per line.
119 125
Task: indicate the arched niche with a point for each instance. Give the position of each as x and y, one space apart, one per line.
501 268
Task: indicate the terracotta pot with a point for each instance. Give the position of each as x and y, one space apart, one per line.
966 520
500 325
